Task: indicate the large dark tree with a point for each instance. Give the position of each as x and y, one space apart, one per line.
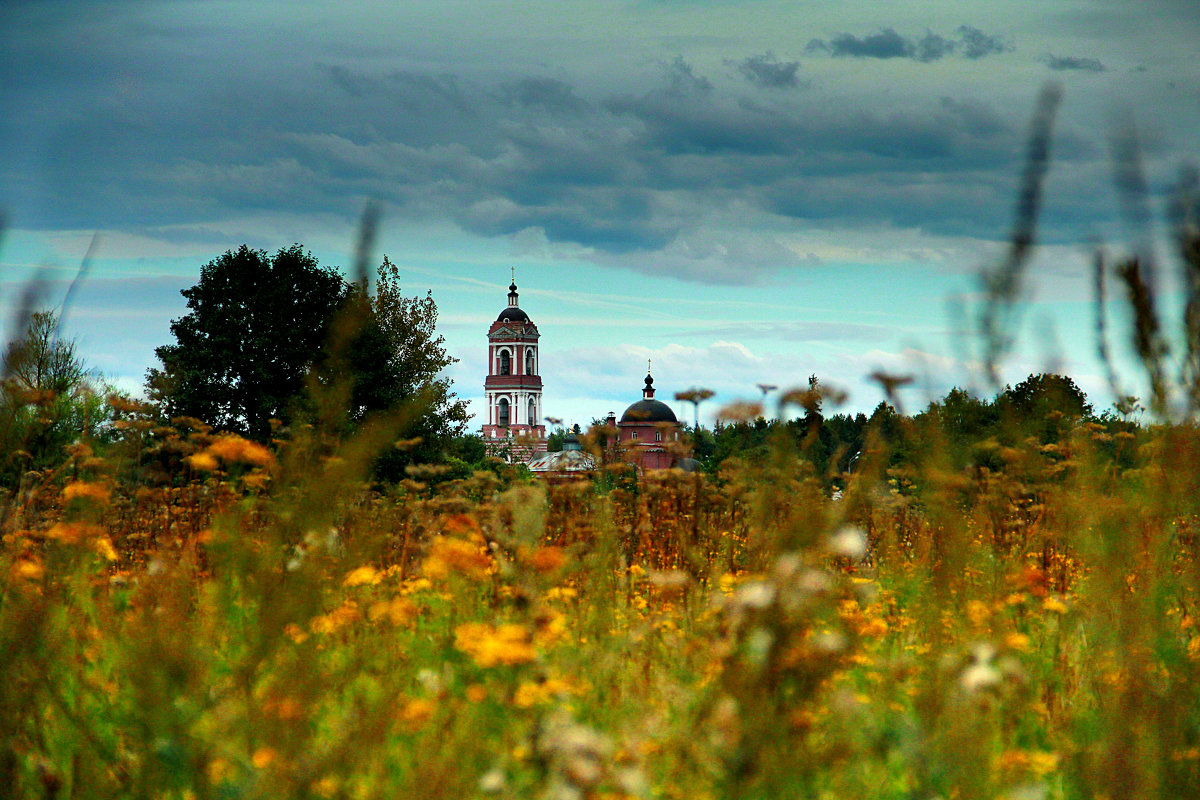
256 324
262 329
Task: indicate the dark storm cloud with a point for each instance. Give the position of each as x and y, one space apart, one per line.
932 47
410 91
543 93
884 44
976 118
887 43
1066 63
976 44
682 80
766 71
635 175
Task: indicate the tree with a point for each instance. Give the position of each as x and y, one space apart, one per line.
256 324
399 358
1045 405
261 330
46 398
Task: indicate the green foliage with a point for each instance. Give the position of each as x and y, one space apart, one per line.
255 326
47 400
282 338
403 366
1044 406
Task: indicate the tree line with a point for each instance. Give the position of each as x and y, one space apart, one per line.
275 341
969 432
269 342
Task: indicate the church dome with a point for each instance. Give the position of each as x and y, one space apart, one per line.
512 313
648 409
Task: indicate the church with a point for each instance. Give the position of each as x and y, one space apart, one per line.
513 387
515 427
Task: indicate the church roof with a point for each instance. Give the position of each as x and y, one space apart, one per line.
512 314
648 409
562 461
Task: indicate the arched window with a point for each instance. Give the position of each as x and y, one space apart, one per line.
532 412
658 436
505 363
502 412
528 362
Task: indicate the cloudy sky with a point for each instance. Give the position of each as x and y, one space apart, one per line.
743 192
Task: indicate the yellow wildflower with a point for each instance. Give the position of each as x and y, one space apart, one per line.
263 757
328 623
205 462
236 450
28 568
546 559
1052 603
561 593
490 646
551 628
73 532
295 632
873 627
1037 763
978 612
398 611
1042 763
364 575
92 492
415 713
104 548
451 556
1017 641
531 693
414 585
326 786
1193 648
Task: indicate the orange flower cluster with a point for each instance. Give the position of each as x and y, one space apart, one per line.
490 646
230 449
453 556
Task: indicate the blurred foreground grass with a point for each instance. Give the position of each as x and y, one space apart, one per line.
194 615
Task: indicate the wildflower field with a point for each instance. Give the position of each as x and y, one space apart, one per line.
193 615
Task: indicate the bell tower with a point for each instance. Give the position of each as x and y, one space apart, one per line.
514 384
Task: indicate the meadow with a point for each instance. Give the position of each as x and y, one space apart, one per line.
194 615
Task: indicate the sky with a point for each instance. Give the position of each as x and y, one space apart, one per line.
739 192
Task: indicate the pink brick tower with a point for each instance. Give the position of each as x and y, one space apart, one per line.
513 385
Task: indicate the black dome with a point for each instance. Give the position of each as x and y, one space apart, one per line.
512 314
649 411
